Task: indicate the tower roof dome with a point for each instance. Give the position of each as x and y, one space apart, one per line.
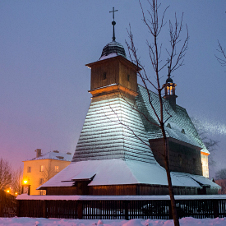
113 47
169 80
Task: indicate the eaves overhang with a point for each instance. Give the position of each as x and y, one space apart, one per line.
178 142
119 58
112 89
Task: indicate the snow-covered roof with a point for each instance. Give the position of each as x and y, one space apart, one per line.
119 197
203 181
57 155
179 126
111 55
119 172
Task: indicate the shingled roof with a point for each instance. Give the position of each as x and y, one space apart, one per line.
103 137
178 126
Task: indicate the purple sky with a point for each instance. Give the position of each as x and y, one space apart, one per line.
45 44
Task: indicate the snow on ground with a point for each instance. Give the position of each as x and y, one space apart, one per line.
188 221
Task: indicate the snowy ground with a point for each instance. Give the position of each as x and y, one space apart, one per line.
24 221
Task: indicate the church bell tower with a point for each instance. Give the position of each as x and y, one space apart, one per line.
169 88
113 88
113 72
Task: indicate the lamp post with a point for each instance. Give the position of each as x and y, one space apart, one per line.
25 187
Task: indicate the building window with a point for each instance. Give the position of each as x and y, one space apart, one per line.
41 168
56 169
180 160
28 169
42 193
128 76
168 125
41 181
104 75
194 161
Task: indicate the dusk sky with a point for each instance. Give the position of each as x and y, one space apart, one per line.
44 83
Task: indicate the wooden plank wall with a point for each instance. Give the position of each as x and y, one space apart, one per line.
132 189
8 205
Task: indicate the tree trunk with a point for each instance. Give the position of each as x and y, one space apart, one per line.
170 187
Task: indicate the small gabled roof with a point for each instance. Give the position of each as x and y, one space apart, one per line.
56 155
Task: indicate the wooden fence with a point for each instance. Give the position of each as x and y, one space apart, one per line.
8 205
122 207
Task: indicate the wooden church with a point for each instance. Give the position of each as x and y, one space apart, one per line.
119 152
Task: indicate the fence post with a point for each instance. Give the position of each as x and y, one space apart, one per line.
215 208
18 209
170 210
44 209
2 202
79 208
1 208
126 210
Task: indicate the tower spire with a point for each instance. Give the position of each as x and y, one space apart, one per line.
113 23
168 72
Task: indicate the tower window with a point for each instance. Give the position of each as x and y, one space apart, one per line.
169 90
104 75
128 77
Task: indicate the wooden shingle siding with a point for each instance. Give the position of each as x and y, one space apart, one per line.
103 137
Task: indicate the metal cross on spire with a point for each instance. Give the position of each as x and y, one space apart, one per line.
113 22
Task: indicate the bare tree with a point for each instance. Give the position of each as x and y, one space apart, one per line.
48 171
210 144
6 174
221 174
222 58
173 61
211 147
16 183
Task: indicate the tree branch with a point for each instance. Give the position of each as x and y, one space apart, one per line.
222 59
